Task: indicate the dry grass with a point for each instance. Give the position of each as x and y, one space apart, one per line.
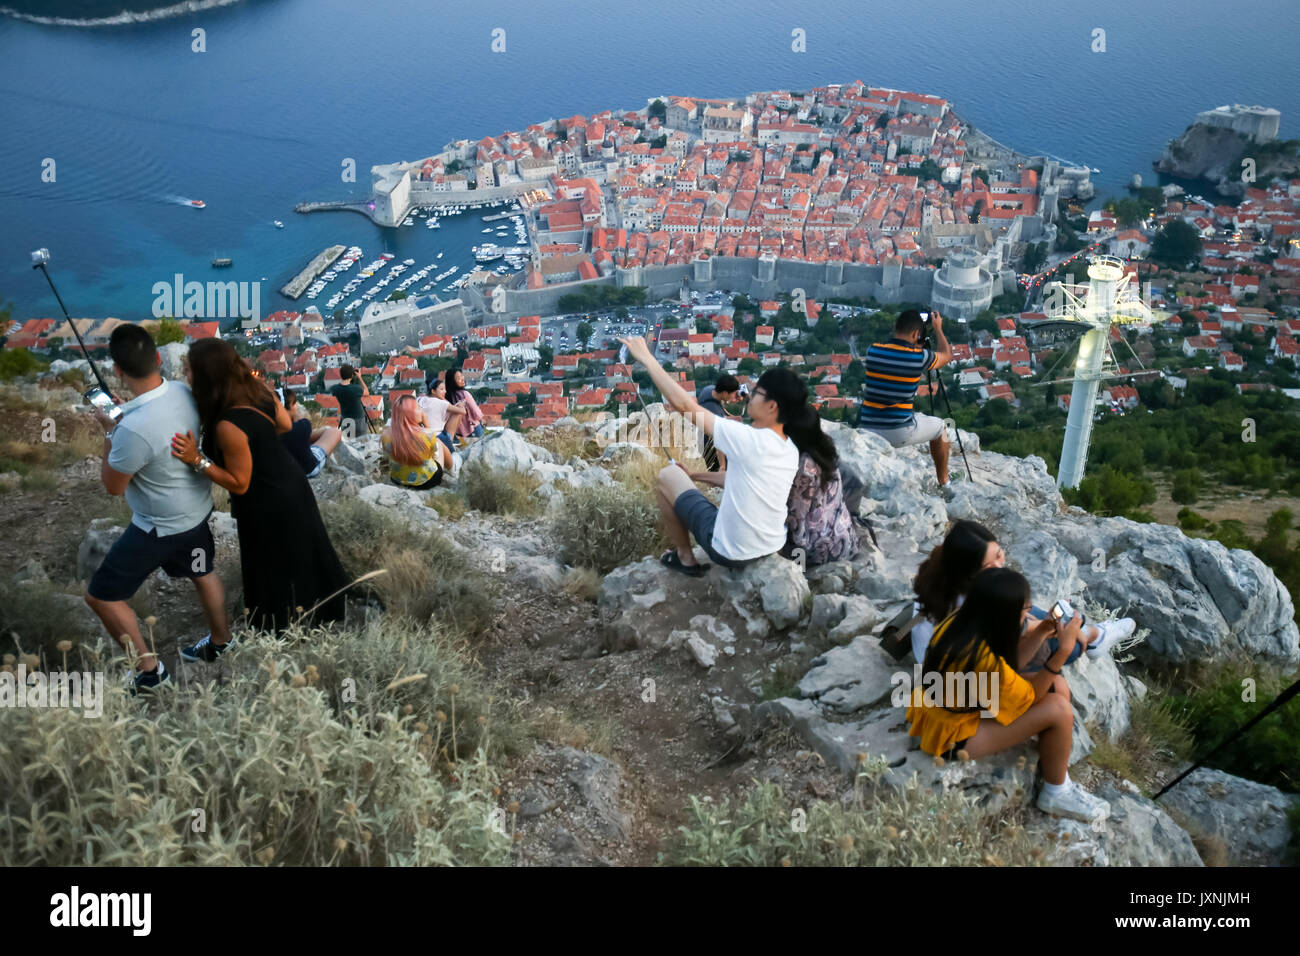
596 734
565 442
1156 738
582 583
501 492
451 507
428 578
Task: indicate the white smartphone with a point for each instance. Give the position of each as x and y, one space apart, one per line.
1061 611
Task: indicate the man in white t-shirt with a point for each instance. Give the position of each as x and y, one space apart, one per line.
761 467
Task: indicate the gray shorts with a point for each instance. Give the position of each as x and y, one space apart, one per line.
923 430
699 514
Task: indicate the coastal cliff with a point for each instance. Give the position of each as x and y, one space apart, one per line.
1216 154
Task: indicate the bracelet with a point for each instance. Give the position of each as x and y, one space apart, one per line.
202 465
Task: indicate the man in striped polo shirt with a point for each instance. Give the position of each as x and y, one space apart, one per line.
894 371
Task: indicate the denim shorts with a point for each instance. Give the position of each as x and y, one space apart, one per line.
318 453
699 515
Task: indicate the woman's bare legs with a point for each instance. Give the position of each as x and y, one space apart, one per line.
1051 718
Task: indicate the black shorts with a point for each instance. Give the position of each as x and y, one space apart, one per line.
137 554
699 514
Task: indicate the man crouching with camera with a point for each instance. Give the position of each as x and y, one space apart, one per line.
169 502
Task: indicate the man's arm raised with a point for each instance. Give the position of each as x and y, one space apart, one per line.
942 350
675 397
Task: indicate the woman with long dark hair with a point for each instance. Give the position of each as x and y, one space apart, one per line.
945 576
288 564
471 423
818 523
972 700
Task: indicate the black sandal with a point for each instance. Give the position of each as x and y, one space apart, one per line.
670 559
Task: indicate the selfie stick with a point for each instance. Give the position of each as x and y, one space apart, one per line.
39 258
622 360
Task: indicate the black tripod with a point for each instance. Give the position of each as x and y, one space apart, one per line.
930 379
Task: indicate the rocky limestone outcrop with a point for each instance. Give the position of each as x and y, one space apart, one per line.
1198 600
1216 153
1248 819
635 609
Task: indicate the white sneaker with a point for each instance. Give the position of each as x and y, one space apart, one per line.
1075 803
1111 631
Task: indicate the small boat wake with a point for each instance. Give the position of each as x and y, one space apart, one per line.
184 201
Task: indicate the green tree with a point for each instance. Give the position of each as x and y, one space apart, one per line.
1035 256
15 363
584 332
1176 244
169 330
658 108
1187 486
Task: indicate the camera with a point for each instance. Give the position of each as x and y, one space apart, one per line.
100 399
744 391
40 257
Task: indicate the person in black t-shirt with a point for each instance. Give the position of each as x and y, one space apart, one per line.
349 393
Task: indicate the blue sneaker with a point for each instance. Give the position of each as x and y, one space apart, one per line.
148 681
205 650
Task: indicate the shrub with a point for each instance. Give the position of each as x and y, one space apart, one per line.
502 492
259 769
36 616
913 827
428 577
602 527
1270 751
16 363
1189 520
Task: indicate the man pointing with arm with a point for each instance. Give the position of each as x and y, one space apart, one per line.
761 466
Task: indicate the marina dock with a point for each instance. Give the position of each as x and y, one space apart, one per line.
501 215
298 284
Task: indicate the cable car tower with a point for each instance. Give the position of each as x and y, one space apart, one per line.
1109 297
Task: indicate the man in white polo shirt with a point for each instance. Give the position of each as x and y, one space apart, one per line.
169 502
761 466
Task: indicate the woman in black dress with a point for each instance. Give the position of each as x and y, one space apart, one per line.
285 555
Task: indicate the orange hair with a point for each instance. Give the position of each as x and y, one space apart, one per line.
410 440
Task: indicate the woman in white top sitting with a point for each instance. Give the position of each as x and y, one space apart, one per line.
944 578
442 417
762 460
